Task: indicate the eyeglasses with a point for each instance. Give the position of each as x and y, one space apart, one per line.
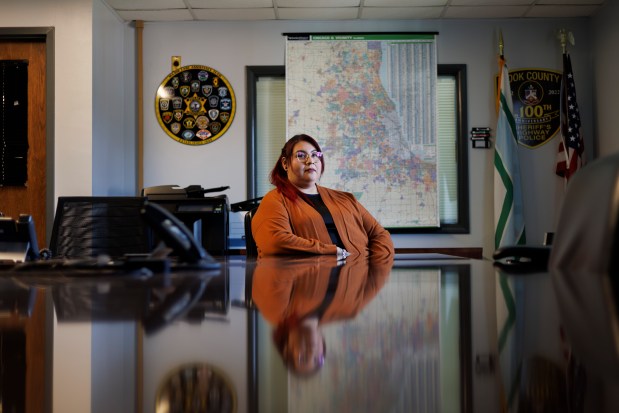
304 355
302 156
318 359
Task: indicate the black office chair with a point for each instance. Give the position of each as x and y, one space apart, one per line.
90 226
587 234
251 250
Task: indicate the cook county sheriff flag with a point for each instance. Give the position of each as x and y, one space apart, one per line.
509 230
508 207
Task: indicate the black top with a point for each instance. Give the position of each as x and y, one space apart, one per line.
334 279
318 204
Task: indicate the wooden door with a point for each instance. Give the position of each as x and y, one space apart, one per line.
31 198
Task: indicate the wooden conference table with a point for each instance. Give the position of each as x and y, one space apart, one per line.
421 333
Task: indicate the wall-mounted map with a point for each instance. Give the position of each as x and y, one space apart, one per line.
370 101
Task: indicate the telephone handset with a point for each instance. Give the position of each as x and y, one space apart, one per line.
522 258
18 239
27 233
176 304
177 237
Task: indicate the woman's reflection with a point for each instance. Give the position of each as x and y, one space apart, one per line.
298 295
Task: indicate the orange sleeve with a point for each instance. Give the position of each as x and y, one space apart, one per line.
282 227
360 232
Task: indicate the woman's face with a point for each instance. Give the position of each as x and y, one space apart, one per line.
305 350
304 173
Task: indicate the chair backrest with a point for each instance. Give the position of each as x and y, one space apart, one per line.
587 235
250 244
90 226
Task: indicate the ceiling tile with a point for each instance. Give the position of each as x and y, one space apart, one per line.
230 4
399 13
573 2
316 3
156 15
491 2
146 4
561 11
404 3
174 10
485 12
235 14
293 13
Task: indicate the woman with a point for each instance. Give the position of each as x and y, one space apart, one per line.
299 295
301 217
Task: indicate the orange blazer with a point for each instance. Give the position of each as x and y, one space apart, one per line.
285 289
281 226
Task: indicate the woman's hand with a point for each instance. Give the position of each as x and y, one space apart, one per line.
342 253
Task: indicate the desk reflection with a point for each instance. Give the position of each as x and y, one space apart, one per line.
86 335
392 336
371 343
395 336
299 296
558 345
588 306
155 302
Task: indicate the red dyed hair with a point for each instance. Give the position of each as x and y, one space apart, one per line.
279 176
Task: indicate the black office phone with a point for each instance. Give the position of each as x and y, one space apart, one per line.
522 259
168 229
18 239
177 236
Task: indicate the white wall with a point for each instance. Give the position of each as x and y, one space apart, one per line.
213 342
94 57
91 56
71 367
90 103
605 40
113 105
72 21
230 47
94 88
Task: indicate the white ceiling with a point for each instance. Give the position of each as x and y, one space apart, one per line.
218 10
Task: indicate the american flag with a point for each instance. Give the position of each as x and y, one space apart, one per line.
568 161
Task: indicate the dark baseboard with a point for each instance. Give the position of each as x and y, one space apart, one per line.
467 252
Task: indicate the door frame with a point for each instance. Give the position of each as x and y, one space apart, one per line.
46 34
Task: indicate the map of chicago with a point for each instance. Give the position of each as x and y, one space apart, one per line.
371 105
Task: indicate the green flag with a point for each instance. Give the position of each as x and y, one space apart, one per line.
508 206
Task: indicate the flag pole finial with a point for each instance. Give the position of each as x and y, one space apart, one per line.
501 44
564 37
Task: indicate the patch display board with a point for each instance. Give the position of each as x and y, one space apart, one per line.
195 105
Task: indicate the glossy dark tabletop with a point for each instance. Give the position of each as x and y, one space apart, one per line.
421 333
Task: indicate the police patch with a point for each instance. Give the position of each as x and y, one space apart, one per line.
202 122
167 117
207 90
203 134
213 114
215 127
536 98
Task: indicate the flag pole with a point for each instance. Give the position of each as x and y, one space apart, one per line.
570 156
563 40
498 89
501 44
